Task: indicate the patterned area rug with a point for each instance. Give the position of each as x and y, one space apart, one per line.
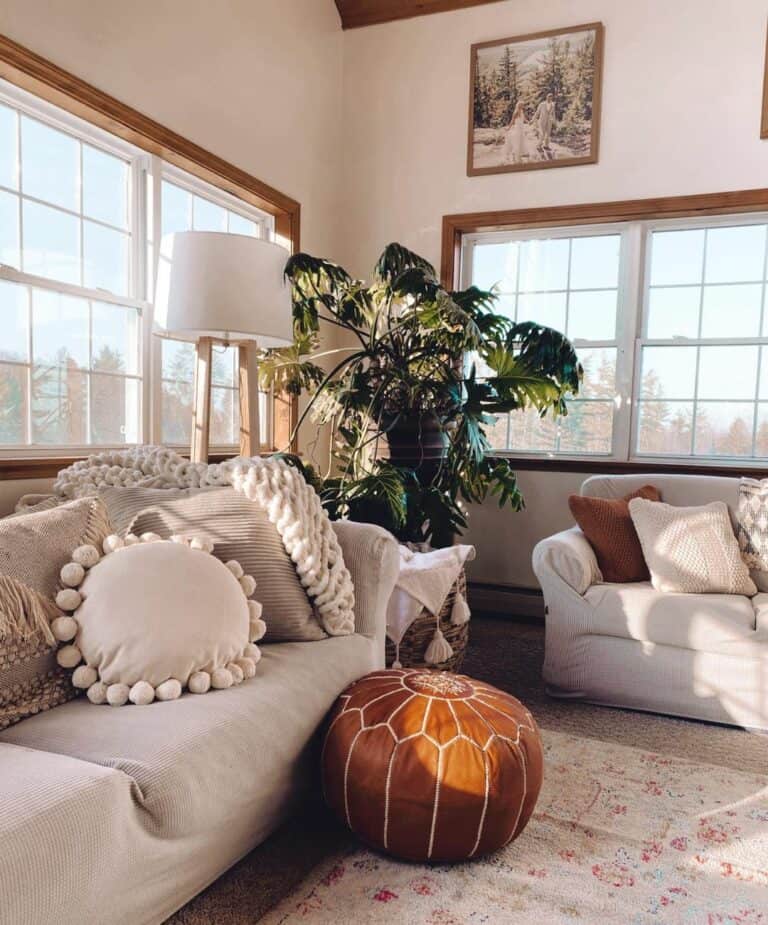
620 835
509 655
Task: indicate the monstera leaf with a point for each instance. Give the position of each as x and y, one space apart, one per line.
396 260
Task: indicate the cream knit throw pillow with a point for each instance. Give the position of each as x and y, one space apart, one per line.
752 528
690 549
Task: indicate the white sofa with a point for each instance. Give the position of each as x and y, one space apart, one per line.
123 815
703 656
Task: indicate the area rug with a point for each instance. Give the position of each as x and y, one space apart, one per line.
620 835
508 654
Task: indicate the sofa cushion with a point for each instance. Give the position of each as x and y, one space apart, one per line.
760 605
607 525
680 490
199 762
704 622
57 809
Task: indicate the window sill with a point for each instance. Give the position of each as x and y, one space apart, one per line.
607 466
48 467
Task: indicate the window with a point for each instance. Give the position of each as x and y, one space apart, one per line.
669 320
703 384
82 214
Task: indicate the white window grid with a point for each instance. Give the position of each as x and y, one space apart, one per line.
143 230
759 341
618 342
631 330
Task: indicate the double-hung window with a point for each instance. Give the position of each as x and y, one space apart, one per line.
82 215
669 320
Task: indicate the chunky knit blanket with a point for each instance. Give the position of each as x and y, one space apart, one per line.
291 505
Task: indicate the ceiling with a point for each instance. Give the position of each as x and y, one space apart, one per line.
356 13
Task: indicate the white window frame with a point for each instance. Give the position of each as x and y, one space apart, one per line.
631 326
144 209
624 333
686 224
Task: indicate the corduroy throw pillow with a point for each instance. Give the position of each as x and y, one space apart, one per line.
239 529
607 525
33 549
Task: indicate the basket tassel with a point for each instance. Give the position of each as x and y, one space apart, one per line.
439 650
460 612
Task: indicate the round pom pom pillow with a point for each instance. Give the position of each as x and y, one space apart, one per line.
150 618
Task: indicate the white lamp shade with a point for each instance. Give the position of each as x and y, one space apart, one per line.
228 286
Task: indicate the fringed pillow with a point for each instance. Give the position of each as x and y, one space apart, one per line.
33 549
150 617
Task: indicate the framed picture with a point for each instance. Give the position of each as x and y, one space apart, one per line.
764 118
534 100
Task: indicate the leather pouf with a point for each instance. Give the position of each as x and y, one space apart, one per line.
428 765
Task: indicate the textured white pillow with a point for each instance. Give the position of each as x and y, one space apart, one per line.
690 549
151 617
752 528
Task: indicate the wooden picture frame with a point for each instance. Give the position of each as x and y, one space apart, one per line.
764 117
552 132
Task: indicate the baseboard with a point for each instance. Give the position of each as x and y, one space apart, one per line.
506 600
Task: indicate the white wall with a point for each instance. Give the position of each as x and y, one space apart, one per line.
257 82
681 114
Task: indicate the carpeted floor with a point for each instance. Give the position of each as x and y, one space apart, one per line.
508 655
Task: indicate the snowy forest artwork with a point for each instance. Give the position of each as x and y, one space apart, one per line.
535 101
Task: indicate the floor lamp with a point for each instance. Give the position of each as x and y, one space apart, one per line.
215 288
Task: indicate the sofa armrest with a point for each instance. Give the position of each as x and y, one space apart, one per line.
372 556
569 557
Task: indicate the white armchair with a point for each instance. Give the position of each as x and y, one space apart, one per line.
703 656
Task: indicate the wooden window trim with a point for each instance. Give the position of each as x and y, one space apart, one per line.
764 115
456 226
48 467
28 70
628 210
357 13
600 466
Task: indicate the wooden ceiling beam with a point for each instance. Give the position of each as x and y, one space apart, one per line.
357 13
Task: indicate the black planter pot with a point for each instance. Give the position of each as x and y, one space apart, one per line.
417 442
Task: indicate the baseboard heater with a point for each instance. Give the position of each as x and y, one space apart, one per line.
506 600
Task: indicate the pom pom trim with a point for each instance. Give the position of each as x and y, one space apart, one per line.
142 693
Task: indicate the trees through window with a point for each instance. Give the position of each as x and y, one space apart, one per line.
669 320
82 215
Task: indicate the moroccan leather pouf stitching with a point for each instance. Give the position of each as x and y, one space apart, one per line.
431 766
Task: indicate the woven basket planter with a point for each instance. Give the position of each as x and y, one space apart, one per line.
419 635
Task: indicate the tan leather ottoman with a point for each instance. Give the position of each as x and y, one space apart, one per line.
428 765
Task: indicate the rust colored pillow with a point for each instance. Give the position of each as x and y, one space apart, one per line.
607 525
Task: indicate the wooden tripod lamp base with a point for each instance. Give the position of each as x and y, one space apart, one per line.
248 381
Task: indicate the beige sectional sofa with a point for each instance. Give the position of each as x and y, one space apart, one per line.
123 815
703 656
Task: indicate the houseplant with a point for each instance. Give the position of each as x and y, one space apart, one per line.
409 381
